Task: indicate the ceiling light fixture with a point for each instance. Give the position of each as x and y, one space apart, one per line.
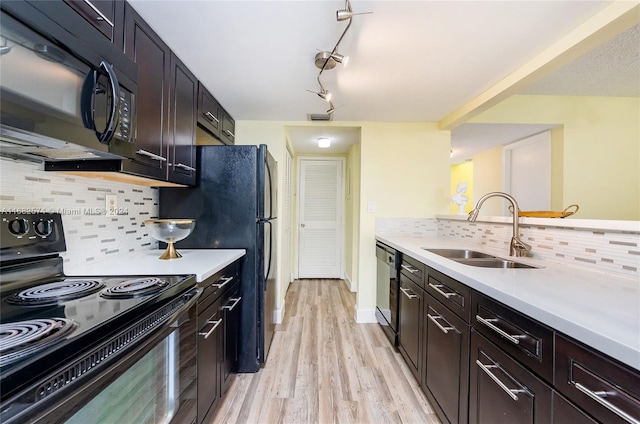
325 60
324 143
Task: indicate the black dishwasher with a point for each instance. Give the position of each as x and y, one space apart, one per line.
387 291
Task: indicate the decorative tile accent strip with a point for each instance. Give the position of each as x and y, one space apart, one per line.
412 227
612 252
81 201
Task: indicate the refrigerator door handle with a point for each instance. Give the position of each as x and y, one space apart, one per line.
266 163
266 277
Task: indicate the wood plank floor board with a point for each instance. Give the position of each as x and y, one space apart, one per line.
323 367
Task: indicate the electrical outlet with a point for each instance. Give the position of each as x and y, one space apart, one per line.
111 203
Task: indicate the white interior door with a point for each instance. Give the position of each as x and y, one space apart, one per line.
528 172
320 212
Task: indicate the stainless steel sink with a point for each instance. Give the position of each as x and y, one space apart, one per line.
459 253
493 263
475 258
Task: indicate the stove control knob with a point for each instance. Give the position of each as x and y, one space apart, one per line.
19 227
44 228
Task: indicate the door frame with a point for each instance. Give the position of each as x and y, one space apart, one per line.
341 203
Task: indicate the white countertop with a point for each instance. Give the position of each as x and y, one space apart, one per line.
201 262
597 309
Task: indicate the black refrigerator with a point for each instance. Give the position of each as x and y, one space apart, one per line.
234 204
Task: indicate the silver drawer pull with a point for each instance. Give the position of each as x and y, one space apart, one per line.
487 322
151 155
101 16
183 166
221 285
230 308
436 287
216 324
599 397
510 392
410 268
229 133
445 330
210 117
408 293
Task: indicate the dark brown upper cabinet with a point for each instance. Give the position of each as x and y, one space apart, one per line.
107 16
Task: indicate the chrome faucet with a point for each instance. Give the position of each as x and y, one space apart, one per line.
517 247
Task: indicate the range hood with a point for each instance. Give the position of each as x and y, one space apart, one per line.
16 143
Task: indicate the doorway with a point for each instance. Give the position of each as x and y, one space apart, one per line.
320 217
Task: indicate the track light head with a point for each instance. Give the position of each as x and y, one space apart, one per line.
343 15
323 94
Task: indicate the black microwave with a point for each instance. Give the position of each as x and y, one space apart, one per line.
62 97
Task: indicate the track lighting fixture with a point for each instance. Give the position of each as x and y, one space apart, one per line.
325 60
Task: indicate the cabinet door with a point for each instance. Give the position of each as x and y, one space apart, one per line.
501 391
410 327
105 15
209 111
446 367
231 316
228 130
152 126
210 334
182 106
565 412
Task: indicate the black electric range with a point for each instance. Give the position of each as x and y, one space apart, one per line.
49 320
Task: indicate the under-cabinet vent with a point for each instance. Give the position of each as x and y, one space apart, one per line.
319 117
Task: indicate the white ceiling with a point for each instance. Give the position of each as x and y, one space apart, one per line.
410 61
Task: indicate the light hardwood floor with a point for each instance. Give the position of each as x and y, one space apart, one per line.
325 368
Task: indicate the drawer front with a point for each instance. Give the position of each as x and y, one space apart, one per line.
605 389
503 391
219 283
452 293
527 340
413 269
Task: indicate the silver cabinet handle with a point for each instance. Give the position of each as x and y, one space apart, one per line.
151 155
230 308
445 330
216 324
229 133
487 322
408 293
436 287
101 16
183 166
410 268
211 117
510 392
221 285
599 397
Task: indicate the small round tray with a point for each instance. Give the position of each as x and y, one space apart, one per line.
568 211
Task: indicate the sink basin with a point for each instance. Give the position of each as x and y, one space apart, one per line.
459 253
493 263
475 258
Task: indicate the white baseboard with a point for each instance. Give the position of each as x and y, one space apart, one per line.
352 285
278 315
365 316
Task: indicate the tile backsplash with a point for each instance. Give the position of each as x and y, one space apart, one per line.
91 234
407 226
609 251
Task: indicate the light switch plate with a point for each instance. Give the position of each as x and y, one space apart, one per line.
371 206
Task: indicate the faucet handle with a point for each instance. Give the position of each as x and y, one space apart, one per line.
519 247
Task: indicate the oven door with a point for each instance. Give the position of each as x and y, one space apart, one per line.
387 291
153 380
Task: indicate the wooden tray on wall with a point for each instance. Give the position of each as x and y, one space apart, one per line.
568 211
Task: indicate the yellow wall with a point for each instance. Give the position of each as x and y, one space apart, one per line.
402 167
487 177
600 148
352 211
462 173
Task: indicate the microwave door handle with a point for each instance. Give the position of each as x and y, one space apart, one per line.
86 99
114 116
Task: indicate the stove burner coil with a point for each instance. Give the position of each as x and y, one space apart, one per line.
52 293
24 338
135 288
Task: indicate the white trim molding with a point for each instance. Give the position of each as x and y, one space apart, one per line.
365 316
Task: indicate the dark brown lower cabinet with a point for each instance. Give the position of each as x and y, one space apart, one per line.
446 369
410 325
503 391
210 341
564 412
